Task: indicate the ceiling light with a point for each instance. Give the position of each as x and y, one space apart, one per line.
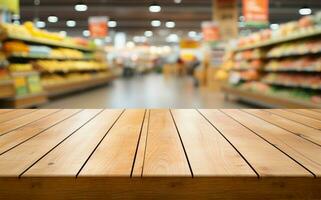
86 33
305 11
112 24
177 1
170 24
81 7
52 19
148 33
71 23
192 34
40 24
274 26
139 39
156 23
172 38
155 8
36 2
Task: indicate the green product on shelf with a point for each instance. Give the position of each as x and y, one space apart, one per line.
34 84
20 85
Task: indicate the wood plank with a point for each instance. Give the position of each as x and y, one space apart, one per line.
208 152
303 151
214 188
68 158
301 130
115 155
24 120
22 134
316 110
297 118
5 110
306 112
14 114
19 159
164 151
263 157
140 156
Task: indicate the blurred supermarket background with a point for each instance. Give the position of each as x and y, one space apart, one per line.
160 54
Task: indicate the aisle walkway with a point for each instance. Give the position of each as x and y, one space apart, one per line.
145 91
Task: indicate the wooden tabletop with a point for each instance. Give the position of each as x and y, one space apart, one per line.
137 143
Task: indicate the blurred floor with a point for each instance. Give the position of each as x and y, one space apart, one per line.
146 91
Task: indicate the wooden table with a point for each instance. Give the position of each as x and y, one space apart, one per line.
162 154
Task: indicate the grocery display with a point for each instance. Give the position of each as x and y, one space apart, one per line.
283 64
37 62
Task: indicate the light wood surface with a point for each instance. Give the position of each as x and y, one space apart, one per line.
308 121
160 154
216 157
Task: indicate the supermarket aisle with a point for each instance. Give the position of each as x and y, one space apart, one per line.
145 91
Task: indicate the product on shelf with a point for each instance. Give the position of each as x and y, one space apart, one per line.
294 80
249 75
295 48
15 47
18 67
308 64
57 79
67 53
68 66
248 65
249 55
306 25
28 31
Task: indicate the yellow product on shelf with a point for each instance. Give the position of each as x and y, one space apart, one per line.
66 53
66 66
20 67
37 33
15 30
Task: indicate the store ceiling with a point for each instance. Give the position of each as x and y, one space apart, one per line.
133 16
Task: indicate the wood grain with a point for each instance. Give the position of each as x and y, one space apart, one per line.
7 116
216 157
254 149
140 156
164 151
19 159
308 113
301 130
79 147
297 118
25 119
5 110
22 134
115 155
217 188
303 151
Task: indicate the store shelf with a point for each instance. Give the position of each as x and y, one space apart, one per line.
289 69
49 43
293 54
312 87
73 86
6 89
25 101
271 42
34 57
267 100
